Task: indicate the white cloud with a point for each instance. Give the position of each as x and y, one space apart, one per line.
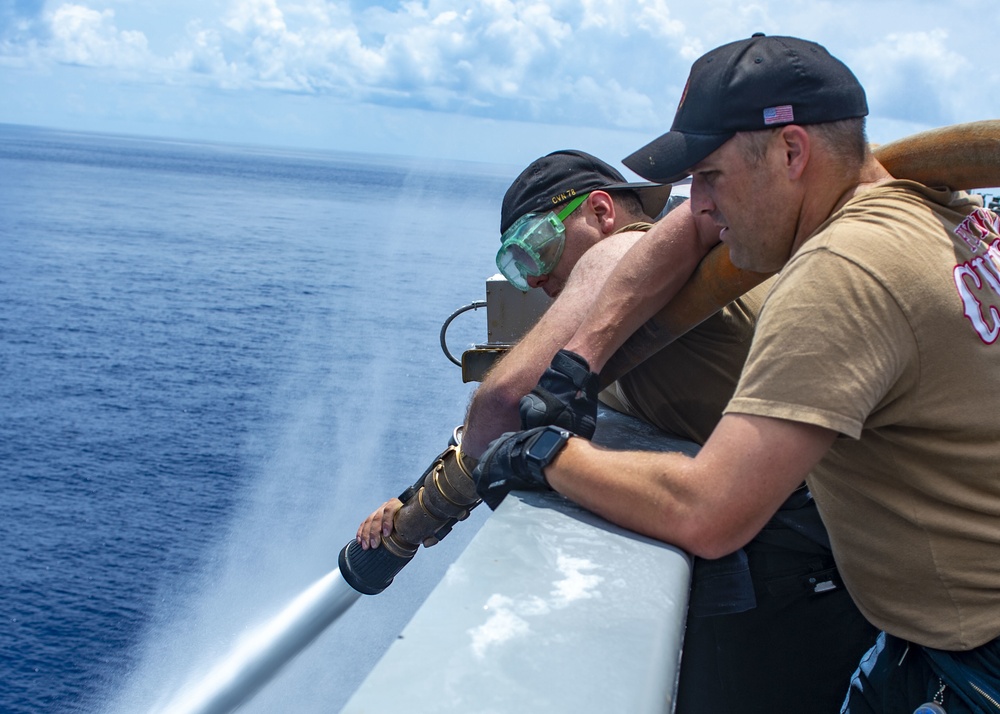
513 59
87 37
918 76
257 17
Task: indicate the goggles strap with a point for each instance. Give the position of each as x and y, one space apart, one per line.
571 206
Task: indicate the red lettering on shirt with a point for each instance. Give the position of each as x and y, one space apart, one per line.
977 226
979 273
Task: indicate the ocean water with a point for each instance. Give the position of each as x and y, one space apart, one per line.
214 362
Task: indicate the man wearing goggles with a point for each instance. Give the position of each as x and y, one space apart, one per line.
533 246
566 221
541 201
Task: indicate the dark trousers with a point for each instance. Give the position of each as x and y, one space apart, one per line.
896 676
794 653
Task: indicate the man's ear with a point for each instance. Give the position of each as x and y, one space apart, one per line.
603 207
796 148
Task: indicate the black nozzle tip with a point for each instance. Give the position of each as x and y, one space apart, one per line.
369 571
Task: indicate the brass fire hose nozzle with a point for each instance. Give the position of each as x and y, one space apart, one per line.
446 495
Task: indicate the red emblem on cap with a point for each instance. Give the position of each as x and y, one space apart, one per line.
684 94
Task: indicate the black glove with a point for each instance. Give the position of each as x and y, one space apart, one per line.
566 396
517 460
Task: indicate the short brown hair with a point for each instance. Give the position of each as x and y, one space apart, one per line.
846 139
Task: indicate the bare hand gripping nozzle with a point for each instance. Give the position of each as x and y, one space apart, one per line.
443 495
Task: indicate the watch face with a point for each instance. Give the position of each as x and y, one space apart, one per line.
545 447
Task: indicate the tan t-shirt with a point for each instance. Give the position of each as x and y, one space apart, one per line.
884 327
684 387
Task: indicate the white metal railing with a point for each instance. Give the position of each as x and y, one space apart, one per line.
550 608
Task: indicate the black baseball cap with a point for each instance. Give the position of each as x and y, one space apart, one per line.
561 175
752 84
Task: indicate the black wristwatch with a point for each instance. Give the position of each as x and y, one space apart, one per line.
543 448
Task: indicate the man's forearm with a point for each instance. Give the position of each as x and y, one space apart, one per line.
715 283
625 487
710 504
494 406
645 280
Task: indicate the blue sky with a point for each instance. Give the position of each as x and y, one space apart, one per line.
495 80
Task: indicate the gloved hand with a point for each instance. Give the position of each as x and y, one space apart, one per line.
566 396
516 460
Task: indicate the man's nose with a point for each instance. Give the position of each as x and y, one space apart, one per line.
537 281
701 200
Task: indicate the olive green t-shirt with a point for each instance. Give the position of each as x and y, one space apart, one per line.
884 327
683 388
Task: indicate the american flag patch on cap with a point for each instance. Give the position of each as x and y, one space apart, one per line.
778 115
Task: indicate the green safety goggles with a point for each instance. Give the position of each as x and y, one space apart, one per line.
533 245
